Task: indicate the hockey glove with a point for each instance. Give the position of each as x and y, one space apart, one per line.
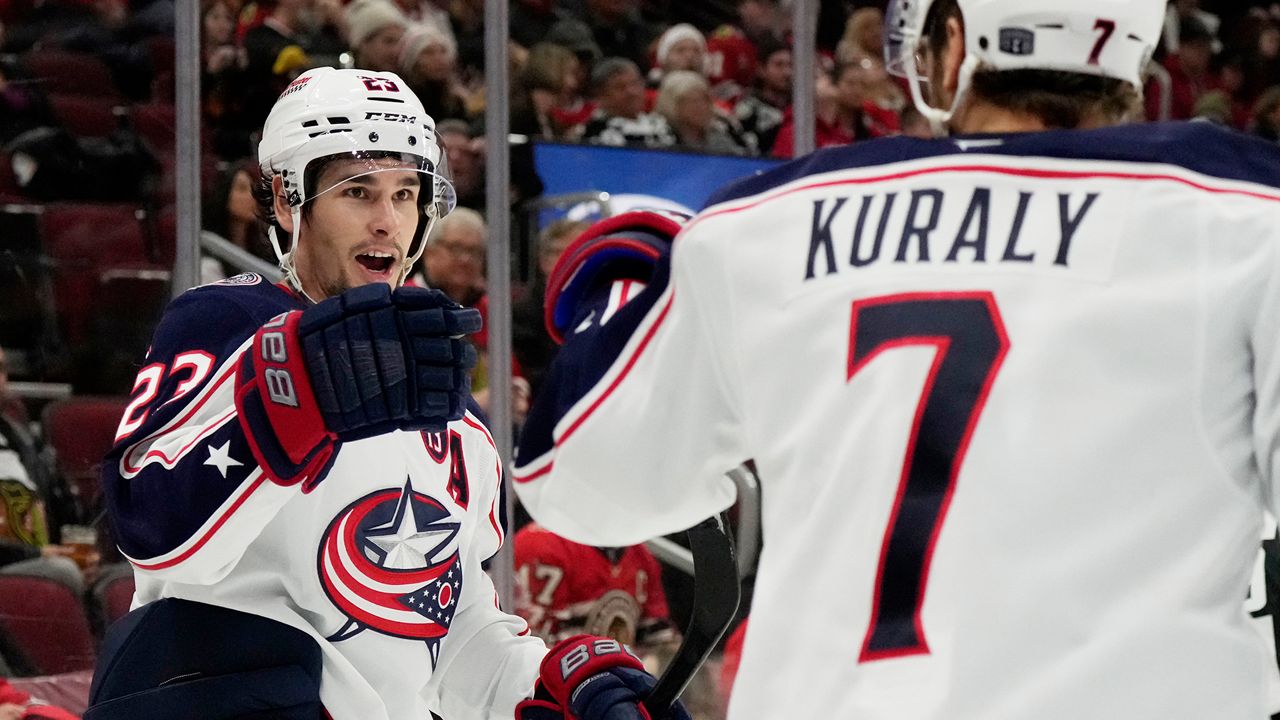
360 364
592 678
618 253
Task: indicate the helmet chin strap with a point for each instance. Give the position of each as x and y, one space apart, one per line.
410 261
287 265
937 117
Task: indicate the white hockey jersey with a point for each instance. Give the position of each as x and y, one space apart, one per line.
380 563
1015 406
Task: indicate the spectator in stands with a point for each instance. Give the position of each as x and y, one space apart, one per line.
576 36
762 21
466 17
454 259
428 63
853 115
18 705
29 504
223 80
863 35
232 214
681 47
375 29
466 162
619 118
433 13
532 346
531 20
1178 13
684 99
761 112
566 588
1189 68
1266 115
284 44
1261 54
619 30
913 124
545 94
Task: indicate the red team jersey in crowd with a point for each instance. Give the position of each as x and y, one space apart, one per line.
380 563
561 582
1015 405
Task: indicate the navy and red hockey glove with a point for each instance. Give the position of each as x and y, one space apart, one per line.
606 266
592 678
353 366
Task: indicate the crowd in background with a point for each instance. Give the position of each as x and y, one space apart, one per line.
710 77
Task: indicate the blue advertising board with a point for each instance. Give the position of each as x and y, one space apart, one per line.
686 179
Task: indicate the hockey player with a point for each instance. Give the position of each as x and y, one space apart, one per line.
305 453
1014 395
567 589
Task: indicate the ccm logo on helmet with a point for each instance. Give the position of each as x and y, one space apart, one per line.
390 117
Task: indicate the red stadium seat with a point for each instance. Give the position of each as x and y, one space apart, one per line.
85 116
110 596
155 123
82 240
81 429
47 621
63 71
166 189
114 593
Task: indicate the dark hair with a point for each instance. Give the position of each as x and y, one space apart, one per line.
1059 99
606 69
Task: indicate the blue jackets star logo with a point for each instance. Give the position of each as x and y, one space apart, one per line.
389 561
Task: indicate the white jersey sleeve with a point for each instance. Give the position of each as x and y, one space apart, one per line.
1265 346
671 388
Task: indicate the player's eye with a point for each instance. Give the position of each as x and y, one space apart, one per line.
357 192
406 194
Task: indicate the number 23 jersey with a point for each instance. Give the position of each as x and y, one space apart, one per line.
380 562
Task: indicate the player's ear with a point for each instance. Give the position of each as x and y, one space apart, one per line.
952 57
284 214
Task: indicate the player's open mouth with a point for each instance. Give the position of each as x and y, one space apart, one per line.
376 261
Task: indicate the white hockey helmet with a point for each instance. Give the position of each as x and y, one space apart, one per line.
1107 38
369 117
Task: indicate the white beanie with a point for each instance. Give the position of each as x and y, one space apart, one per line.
367 17
419 38
676 33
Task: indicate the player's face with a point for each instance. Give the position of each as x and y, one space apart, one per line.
358 232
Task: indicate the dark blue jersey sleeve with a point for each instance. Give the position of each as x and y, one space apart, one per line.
181 483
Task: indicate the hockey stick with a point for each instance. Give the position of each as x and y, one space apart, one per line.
715 601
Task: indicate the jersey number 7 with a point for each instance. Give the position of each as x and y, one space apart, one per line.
968 335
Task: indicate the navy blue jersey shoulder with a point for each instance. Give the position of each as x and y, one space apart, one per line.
1197 146
220 316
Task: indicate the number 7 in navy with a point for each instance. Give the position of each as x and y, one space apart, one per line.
968 335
